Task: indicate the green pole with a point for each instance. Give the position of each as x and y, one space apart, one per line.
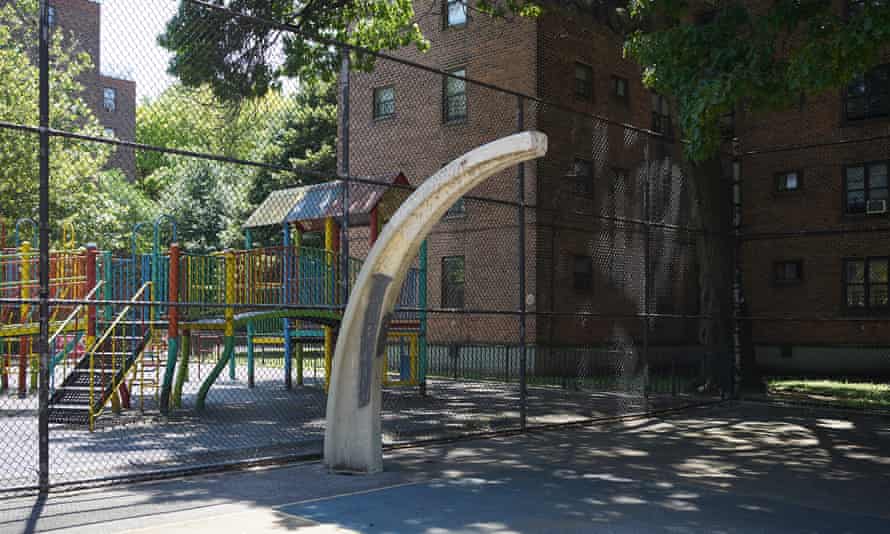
230 311
228 355
251 327
182 374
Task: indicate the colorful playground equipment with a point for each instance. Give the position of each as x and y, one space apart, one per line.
134 315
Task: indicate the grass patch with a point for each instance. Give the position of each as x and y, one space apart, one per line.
856 394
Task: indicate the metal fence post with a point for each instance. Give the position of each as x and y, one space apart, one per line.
736 375
523 356
43 271
344 170
647 260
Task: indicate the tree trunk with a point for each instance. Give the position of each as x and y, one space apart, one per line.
711 194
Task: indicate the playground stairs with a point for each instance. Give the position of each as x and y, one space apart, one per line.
100 371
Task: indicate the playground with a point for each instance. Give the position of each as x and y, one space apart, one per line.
163 358
122 339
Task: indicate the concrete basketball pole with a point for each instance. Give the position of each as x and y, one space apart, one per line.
353 441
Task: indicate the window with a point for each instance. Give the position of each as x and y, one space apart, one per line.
582 173
458 209
109 99
661 114
864 184
455 13
619 88
384 102
110 133
787 181
868 96
51 15
583 81
866 284
453 282
455 96
582 273
788 271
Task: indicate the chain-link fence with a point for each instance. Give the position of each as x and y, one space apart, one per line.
204 236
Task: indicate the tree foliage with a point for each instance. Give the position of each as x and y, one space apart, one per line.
243 57
194 119
211 200
304 136
748 55
206 199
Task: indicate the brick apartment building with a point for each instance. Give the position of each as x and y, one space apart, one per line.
112 97
405 120
833 198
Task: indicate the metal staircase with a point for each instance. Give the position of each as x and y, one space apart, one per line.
100 374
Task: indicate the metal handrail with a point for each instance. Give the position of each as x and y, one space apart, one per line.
74 313
62 327
99 343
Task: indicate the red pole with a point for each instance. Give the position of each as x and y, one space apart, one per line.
92 253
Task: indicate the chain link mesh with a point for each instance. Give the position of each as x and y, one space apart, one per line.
205 247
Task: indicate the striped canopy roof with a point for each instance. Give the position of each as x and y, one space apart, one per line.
312 204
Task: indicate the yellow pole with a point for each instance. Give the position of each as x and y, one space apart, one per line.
230 293
25 346
25 251
328 354
230 310
329 292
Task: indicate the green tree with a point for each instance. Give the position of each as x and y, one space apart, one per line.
716 57
207 199
242 58
194 119
304 136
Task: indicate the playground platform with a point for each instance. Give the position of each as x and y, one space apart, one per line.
727 468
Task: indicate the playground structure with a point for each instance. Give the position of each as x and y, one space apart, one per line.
132 316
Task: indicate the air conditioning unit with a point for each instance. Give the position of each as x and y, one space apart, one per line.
876 206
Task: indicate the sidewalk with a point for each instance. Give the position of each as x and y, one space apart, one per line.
733 468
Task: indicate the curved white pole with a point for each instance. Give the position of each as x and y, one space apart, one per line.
353 441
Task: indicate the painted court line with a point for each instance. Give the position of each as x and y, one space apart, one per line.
352 493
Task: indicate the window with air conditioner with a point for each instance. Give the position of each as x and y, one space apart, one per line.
866 189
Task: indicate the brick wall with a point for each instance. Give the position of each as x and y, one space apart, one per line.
817 210
417 142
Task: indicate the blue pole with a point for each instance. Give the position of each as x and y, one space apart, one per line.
251 327
286 285
34 235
